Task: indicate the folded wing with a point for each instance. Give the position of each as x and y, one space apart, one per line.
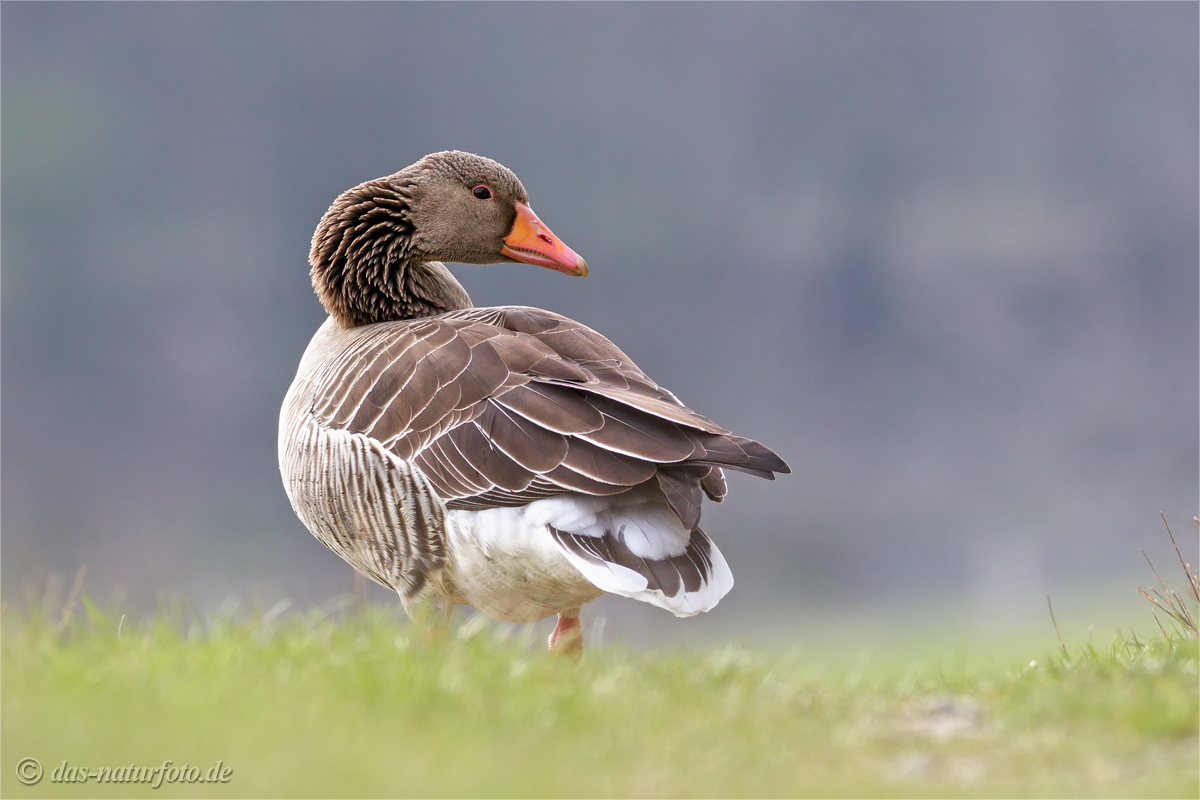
504 406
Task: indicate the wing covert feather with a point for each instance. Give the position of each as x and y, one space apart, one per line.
506 405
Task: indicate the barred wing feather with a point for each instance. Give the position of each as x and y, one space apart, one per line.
504 406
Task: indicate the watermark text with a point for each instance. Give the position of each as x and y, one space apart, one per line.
29 772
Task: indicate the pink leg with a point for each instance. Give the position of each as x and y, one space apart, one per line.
567 637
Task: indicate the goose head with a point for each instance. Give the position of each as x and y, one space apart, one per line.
377 252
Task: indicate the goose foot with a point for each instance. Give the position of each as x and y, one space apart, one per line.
567 637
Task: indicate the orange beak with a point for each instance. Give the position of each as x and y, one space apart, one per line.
531 242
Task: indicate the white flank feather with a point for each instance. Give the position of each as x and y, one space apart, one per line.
648 528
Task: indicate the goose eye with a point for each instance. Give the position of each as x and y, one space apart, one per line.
482 192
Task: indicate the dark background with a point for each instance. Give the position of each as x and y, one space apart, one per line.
942 257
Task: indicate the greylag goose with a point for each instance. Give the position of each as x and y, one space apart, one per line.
507 458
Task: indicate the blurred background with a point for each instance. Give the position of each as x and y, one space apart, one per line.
941 257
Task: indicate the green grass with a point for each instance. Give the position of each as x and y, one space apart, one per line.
306 706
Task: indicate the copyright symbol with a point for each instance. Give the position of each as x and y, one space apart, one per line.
29 771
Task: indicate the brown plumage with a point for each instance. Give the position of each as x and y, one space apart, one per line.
416 419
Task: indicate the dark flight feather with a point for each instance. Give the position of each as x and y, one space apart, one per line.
512 404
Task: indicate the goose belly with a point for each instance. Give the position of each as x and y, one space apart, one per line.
509 567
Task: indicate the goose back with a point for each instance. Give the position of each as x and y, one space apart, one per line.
482 408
